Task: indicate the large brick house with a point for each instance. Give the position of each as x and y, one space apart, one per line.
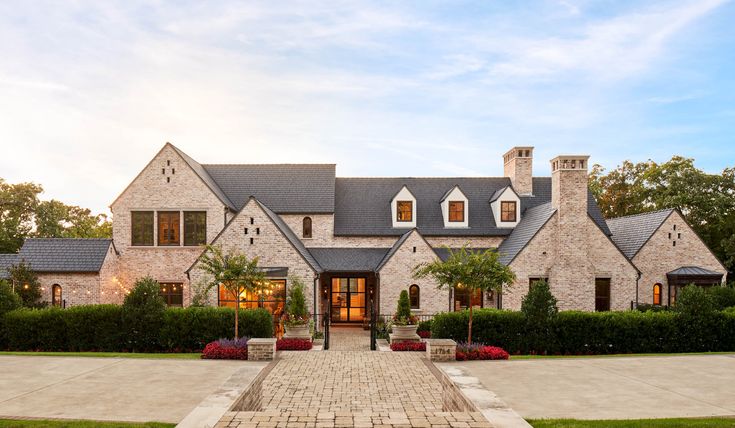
356 240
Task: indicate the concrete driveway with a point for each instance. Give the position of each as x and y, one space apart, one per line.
612 388
114 389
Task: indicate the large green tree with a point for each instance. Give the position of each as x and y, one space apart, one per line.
23 215
235 272
472 270
707 201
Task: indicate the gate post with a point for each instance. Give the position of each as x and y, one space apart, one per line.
373 327
326 330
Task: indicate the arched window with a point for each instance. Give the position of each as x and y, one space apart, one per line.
306 228
414 296
56 296
657 294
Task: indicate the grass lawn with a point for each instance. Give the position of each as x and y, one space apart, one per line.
11 423
637 423
537 357
187 356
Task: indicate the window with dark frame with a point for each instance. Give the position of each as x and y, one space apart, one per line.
533 281
306 228
414 296
272 297
463 298
508 211
168 228
602 294
56 295
141 228
657 294
456 211
195 228
173 293
404 211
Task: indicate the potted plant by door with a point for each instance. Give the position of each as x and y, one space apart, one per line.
296 316
404 322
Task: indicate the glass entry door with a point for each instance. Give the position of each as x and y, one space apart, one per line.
348 301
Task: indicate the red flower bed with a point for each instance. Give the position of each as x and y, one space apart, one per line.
480 352
426 334
293 344
216 351
408 346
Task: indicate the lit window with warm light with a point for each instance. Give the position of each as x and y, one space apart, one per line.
404 211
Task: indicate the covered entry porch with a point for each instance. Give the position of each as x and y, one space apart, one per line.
347 297
687 275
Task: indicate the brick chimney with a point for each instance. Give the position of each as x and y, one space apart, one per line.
569 184
518 166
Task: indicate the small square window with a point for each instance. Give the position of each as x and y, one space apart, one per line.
508 211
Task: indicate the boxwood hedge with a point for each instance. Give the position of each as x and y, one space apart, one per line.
101 328
581 333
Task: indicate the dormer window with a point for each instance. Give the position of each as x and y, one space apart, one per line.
456 211
508 211
404 211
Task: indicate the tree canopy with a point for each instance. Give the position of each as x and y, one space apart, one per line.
707 201
24 215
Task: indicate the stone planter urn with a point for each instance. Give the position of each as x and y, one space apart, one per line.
297 332
405 333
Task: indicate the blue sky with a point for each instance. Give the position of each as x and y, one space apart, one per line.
89 91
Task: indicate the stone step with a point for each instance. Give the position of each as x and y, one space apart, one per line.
365 419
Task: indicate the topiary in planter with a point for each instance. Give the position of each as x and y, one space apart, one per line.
403 314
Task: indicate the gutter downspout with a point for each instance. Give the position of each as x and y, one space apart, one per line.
636 288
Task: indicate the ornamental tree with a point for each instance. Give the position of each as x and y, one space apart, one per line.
235 272
472 270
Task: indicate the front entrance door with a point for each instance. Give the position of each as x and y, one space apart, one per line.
348 302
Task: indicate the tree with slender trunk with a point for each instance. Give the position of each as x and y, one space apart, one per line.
235 272
469 270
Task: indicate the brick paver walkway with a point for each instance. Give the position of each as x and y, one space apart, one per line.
349 339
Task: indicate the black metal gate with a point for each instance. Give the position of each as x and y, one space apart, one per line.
325 321
373 327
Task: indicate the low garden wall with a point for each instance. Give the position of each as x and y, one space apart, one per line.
582 333
102 328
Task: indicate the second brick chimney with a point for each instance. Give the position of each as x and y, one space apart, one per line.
518 166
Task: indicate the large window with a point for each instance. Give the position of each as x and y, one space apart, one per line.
462 298
195 228
414 296
168 228
56 296
535 280
405 211
657 294
141 228
602 294
456 211
173 293
508 211
272 297
349 301
306 228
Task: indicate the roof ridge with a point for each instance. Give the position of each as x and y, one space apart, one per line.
69 239
642 214
267 164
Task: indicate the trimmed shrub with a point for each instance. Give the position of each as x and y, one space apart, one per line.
424 326
722 297
292 344
9 300
408 346
94 328
142 315
478 351
36 330
226 349
587 333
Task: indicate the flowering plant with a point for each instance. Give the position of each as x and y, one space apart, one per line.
408 346
227 349
478 351
292 344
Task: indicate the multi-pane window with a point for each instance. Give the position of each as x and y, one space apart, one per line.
168 228
141 227
536 280
508 211
456 211
271 297
173 293
405 211
306 228
56 296
195 228
414 296
657 294
602 294
463 298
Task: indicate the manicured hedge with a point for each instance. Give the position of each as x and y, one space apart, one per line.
101 328
575 332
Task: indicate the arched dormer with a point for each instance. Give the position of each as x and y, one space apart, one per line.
403 209
506 207
455 208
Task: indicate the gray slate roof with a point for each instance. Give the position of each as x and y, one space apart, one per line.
291 237
443 252
349 259
64 254
631 232
362 205
693 271
393 249
284 188
204 175
6 261
531 222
